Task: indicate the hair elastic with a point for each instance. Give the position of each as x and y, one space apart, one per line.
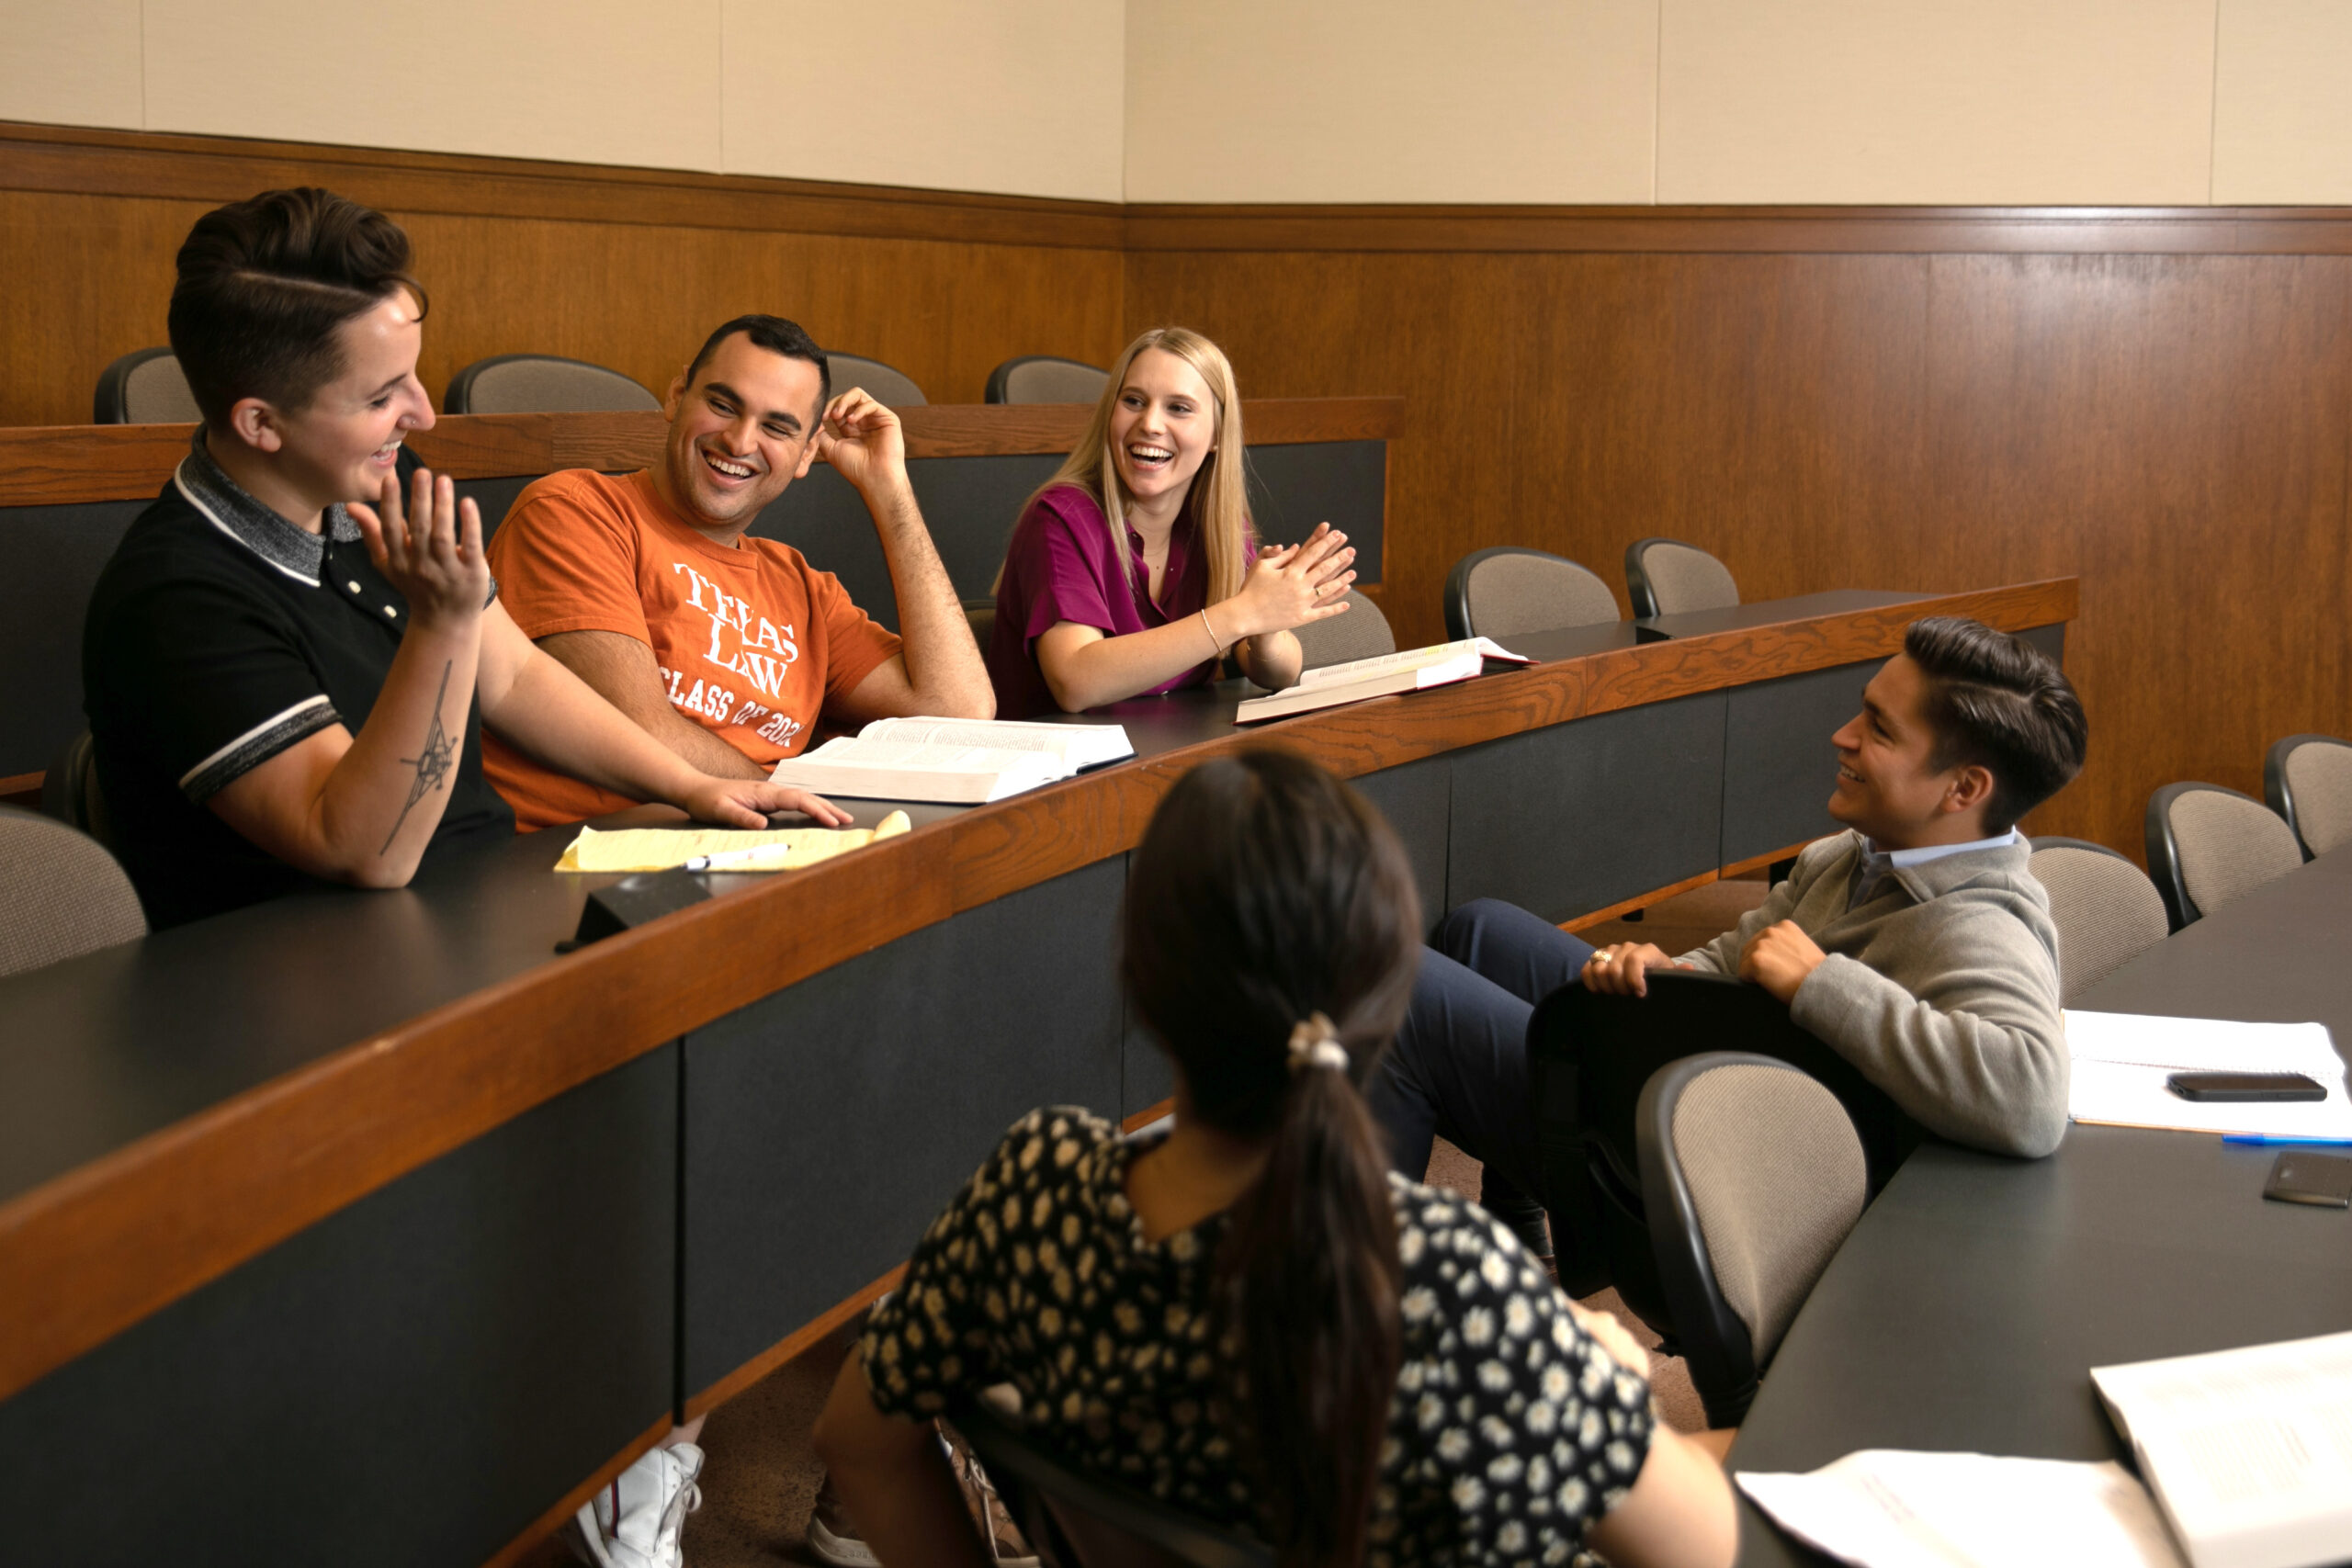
1315 1043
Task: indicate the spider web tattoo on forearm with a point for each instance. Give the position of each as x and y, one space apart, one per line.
436 761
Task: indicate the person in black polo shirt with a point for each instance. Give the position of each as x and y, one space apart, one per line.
287 685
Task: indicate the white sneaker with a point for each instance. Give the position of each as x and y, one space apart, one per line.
637 1520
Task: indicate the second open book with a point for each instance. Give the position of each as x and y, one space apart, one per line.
952 762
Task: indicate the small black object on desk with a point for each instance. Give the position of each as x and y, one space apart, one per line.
631 902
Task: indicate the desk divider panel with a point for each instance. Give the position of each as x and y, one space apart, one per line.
1418 800
54 556
1579 815
1776 779
408 1381
827 1123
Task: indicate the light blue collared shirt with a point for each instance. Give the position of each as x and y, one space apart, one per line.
1871 870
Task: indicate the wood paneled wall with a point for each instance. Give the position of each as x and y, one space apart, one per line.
1845 399
625 267
2157 401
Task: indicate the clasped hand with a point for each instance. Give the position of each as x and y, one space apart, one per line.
1779 958
429 548
1290 585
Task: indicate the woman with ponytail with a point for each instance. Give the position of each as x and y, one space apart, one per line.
1248 1315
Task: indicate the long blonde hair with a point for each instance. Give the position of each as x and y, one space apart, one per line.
1220 497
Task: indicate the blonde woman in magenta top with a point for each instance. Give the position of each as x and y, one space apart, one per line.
1134 570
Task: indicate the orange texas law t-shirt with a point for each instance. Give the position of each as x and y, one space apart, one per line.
752 641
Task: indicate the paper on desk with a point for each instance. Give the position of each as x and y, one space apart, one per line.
659 849
1894 1508
2121 1062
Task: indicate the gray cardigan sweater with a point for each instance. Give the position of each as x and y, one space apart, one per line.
1942 988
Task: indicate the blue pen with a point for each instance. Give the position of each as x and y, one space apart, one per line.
2261 1140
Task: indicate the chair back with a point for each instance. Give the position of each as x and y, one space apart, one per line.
145 386
1589 1058
1668 577
1507 590
980 615
2209 846
2307 781
1361 633
61 893
1043 379
891 389
2105 909
1752 1176
542 383
69 791
1074 1519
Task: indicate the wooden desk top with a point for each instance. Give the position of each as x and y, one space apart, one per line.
294 1102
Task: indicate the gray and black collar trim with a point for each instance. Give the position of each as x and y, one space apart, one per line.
297 552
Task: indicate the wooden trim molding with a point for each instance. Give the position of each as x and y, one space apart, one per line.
214 169
2115 230
86 1255
1639 901
63 464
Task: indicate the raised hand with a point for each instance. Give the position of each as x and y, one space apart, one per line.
861 440
430 549
1290 585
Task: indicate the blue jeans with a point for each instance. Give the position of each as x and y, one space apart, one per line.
1459 1065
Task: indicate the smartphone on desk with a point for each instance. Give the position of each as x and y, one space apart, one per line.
2300 1177
2210 1087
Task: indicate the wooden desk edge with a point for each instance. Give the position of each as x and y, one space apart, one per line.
65 465
93 1252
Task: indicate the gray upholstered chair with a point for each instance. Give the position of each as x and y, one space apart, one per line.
891 389
2307 781
2105 909
61 893
1751 1176
1043 379
1509 589
542 383
1076 1520
69 791
144 387
2209 846
1361 633
1667 577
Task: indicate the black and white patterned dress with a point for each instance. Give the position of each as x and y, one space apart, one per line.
1509 1433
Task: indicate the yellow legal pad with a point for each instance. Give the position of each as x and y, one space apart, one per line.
659 849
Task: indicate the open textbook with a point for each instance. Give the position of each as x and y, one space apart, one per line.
952 762
1413 670
1898 1508
2122 1060
2249 1452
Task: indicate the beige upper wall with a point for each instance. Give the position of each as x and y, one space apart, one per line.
1391 100
2121 101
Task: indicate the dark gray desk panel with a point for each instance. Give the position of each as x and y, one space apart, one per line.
1779 766
55 554
969 504
1767 612
494 498
828 1123
1418 800
408 1381
1577 817
1344 483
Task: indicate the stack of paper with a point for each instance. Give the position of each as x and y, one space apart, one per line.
2250 1450
1891 1508
774 849
2122 1060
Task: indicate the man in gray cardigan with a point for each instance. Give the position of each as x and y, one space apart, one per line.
1917 944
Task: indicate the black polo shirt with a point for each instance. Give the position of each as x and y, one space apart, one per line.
220 635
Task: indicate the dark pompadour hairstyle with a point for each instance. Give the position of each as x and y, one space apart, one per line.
265 283
1998 702
777 336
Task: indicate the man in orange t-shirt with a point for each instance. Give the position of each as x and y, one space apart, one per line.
730 650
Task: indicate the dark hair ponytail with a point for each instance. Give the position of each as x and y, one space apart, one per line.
1267 893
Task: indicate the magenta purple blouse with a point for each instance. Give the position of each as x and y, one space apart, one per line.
1060 567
